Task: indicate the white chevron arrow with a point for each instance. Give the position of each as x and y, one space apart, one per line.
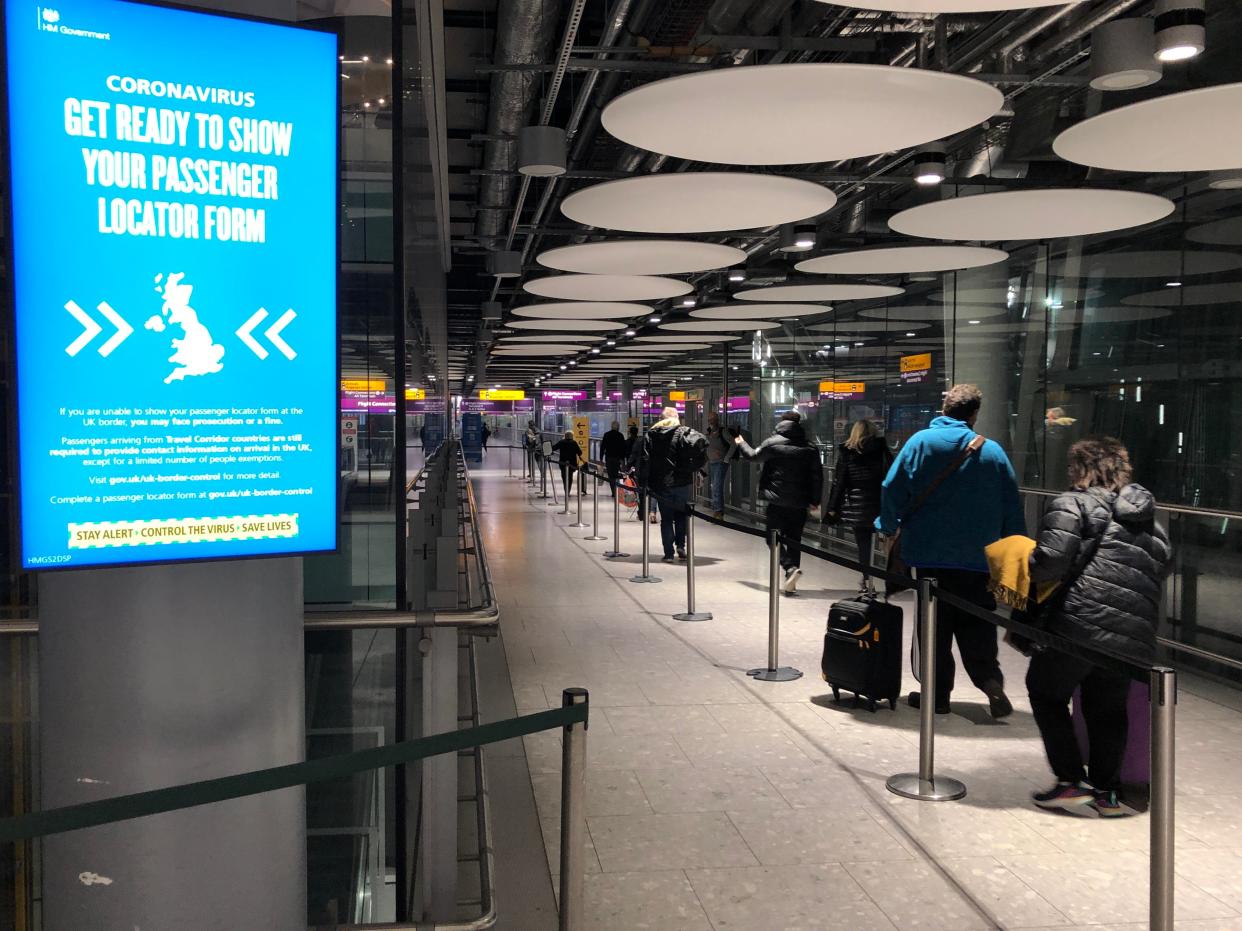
273 334
247 328
123 329
90 329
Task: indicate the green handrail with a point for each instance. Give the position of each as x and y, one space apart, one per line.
156 801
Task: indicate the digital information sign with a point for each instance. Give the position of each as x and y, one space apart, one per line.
174 233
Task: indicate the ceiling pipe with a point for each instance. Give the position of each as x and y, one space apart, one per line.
523 36
1023 36
1082 28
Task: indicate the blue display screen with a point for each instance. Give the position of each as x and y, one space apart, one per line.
174 235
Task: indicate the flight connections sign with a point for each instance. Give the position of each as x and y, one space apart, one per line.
174 238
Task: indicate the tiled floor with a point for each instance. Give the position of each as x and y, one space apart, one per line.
717 802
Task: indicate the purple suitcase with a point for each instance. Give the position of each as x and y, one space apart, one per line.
1136 766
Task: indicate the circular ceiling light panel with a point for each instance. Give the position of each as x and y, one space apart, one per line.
1226 232
785 113
1120 314
1049 213
899 260
1195 130
667 347
539 349
752 311
641 257
582 310
704 338
1191 295
697 202
608 287
820 292
862 326
946 6
710 326
1171 264
596 326
937 314
546 338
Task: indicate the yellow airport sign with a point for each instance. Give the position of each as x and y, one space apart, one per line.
502 394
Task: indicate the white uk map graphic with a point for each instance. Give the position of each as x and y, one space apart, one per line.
195 353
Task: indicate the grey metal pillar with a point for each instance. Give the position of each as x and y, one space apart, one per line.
437 871
773 671
1163 705
573 816
645 575
595 534
156 676
690 614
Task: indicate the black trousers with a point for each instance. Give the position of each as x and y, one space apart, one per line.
976 638
567 479
789 521
863 535
1051 680
613 466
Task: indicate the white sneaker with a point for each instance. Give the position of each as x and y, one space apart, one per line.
790 585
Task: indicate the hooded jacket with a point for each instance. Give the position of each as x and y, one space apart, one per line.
671 454
1115 601
972 508
612 445
857 481
792 475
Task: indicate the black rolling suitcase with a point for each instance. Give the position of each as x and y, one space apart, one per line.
862 650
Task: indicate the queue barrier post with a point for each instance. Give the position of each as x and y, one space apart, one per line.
510 448
595 534
925 785
690 614
543 478
1163 731
573 815
646 576
615 552
774 672
577 473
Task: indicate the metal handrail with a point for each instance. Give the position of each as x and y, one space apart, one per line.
1171 508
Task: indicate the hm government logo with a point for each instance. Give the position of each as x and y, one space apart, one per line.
48 20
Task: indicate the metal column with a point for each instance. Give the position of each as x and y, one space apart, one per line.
774 672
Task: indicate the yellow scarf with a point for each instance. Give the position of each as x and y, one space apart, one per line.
1009 562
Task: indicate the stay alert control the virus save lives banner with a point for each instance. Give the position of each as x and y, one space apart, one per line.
174 235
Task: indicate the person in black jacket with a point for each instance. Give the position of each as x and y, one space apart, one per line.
612 448
862 462
1101 539
792 482
568 452
671 454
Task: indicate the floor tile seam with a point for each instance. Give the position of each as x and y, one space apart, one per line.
1033 891
979 910
707 915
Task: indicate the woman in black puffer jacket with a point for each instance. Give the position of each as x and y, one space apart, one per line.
1103 538
862 463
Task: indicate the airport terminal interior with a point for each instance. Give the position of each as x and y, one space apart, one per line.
501 699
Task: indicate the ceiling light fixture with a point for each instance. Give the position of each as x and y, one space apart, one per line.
1229 179
688 301
1123 54
1180 29
594 351
653 319
541 151
505 264
804 236
929 163
630 332
737 274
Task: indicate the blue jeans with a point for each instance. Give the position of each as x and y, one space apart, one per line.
672 502
716 473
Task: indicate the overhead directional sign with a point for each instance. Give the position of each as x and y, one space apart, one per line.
174 241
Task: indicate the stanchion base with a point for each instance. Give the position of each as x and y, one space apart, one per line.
783 674
595 536
613 554
937 789
646 578
693 616
577 525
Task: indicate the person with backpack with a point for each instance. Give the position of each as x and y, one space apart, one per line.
612 448
1100 541
862 462
792 482
951 493
671 455
569 453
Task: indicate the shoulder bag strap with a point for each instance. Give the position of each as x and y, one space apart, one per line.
972 447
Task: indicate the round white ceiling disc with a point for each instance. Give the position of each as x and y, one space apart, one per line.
862 326
709 326
786 113
582 310
1091 315
558 338
1196 130
1191 295
946 6
752 311
819 292
697 202
608 287
937 314
1226 232
667 347
899 260
705 338
539 349
1035 214
1171 264
598 326
641 257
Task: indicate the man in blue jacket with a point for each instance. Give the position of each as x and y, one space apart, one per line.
947 516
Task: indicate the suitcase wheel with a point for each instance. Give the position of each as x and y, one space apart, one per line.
871 705
892 703
836 694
